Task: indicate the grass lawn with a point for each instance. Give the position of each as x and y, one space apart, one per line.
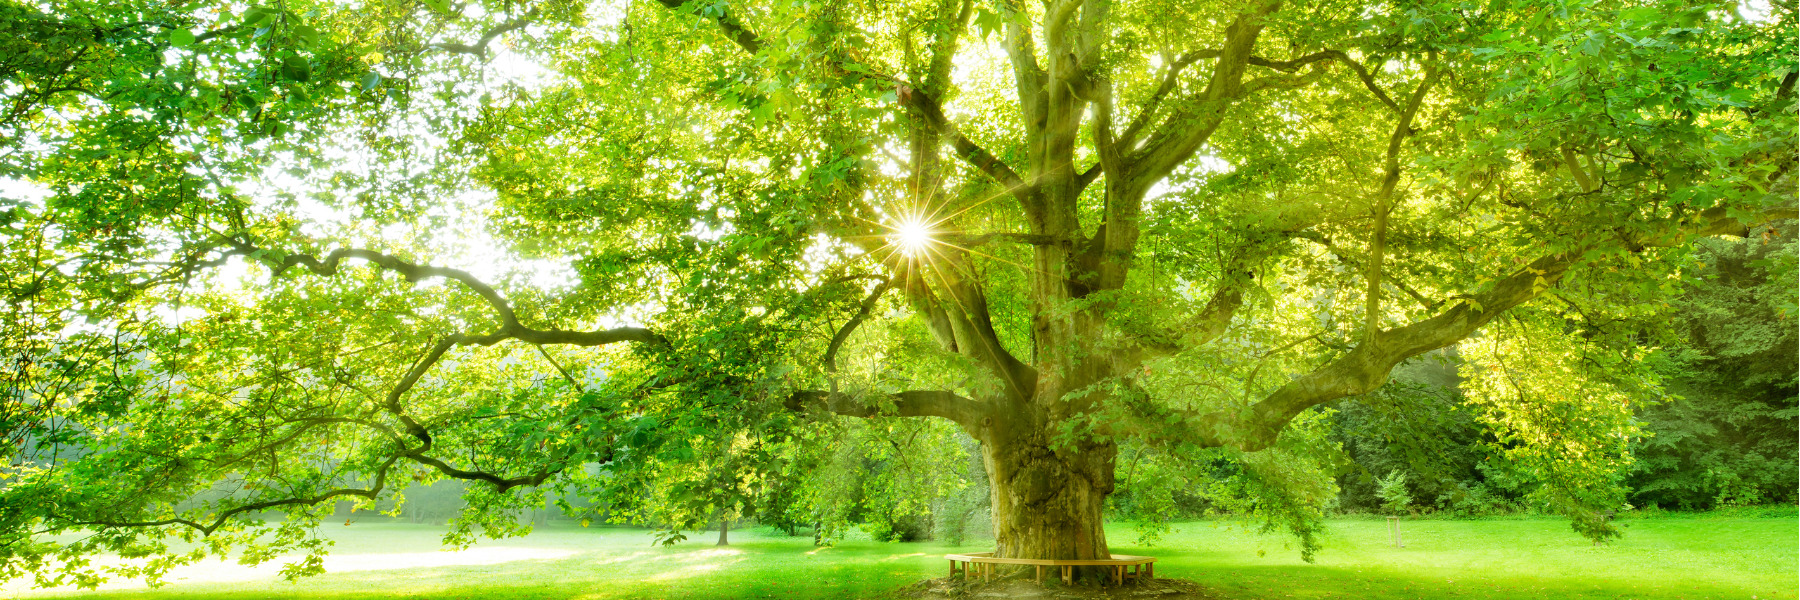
1686 558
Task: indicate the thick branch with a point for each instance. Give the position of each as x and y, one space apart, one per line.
1028 75
974 328
1366 367
1581 177
1188 127
966 149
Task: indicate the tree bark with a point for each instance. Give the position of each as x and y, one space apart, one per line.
1047 502
724 529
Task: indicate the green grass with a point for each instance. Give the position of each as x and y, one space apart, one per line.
1505 559
1686 558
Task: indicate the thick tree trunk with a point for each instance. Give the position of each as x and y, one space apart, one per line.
1049 504
724 528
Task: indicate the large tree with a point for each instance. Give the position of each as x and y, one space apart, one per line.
691 228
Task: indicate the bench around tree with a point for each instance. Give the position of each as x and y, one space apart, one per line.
1124 566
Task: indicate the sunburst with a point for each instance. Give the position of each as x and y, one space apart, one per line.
912 236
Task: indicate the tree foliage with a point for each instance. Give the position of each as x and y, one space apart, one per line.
306 252
1725 437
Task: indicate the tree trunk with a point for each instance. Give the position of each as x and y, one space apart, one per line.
1048 504
724 527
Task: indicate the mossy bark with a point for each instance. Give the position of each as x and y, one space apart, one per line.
1049 504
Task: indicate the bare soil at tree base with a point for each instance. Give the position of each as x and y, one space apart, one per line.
944 588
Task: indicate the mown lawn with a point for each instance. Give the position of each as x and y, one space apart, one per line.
1682 558
1538 558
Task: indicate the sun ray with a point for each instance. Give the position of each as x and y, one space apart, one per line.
912 235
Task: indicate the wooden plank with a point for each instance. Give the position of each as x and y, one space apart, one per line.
1049 562
987 558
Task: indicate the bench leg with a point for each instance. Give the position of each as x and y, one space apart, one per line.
1040 573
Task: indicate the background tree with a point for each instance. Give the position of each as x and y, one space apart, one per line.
1725 436
1062 227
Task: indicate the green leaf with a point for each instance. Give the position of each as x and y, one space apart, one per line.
257 15
181 38
442 6
296 68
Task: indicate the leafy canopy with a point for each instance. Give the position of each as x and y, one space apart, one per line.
232 239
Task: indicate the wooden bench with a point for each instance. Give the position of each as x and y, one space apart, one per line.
1124 567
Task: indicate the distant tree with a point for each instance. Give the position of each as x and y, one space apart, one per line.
1395 499
1418 423
1727 435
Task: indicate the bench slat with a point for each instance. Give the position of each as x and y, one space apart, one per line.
988 558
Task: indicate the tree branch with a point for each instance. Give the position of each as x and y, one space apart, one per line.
728 24
1384 201
1363 74
479 48
843 333
965 241
913 403
1366 367
920 102
510 327
1189 126
207 528
966 149
1171 76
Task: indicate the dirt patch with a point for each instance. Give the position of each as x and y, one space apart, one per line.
961 589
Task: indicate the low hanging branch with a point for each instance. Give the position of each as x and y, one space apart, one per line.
510 329
207 528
